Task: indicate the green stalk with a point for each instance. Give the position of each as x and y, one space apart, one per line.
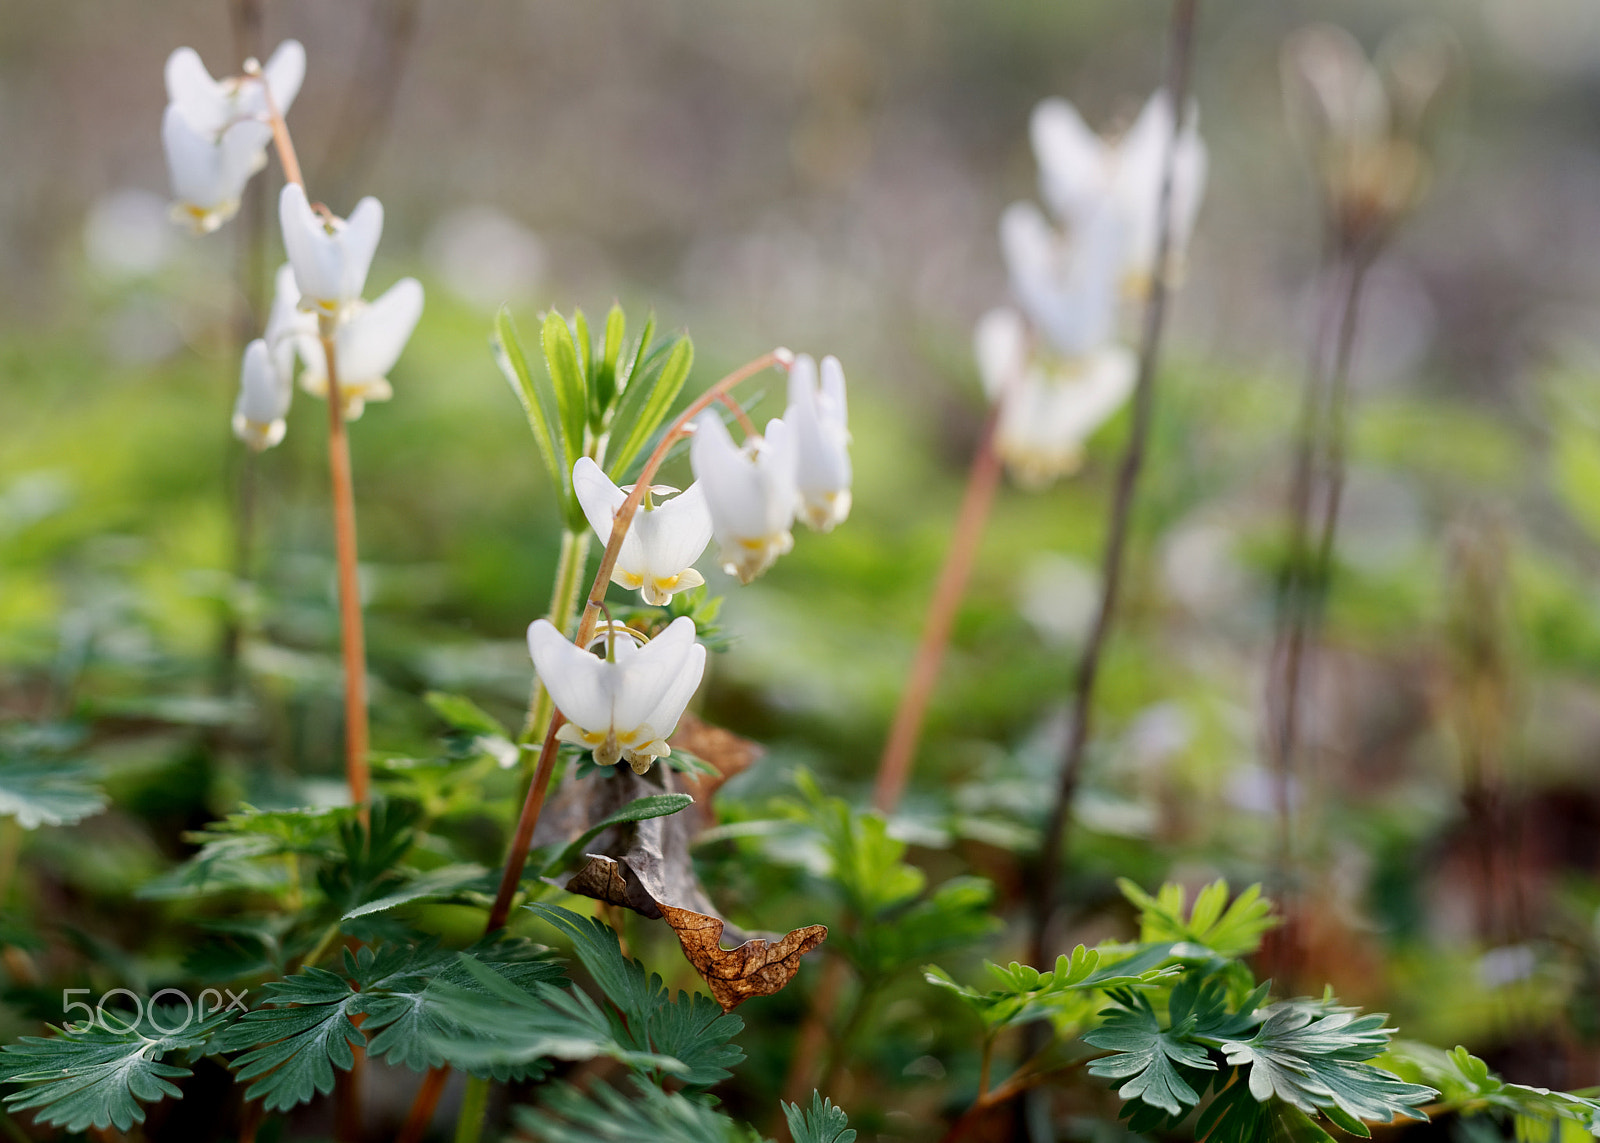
474 1106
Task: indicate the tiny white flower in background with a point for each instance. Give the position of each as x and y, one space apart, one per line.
1069 284
750 490
212 105
330 256
1078 169
627 707
1049 406
208 175
264 395
368 343
661 543
817 418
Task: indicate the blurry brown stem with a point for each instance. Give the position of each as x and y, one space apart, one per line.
422 1108
741 416
1320 446
1178 65
1020 1081
351 635
280 133
894 769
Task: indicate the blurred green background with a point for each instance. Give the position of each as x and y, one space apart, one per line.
828 176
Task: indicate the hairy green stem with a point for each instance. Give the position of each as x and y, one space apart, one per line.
474 1106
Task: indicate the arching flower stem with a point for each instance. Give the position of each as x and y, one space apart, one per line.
740 415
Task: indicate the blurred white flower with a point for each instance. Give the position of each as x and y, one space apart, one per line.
750 490
211 106
623 707
127 234
485 257
1067 283
1079 172
330 256
208 174
368 342
264 395
1048 405
661 543
817 418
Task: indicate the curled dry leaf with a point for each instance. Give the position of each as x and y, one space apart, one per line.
645 866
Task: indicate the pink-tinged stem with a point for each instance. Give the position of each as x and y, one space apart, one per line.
894 770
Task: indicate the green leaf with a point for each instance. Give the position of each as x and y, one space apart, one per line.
644 405
821 1123
605 367
566 377
1466 1084
638 810
99 1079
1148 1056
1313 1057
605 1115
538 401
1228 930
462 714
957 913
48 792
435 885
294 1046
692 1031
246 850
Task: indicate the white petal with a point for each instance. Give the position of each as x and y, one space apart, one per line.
263 396
663 719
578 682
1073 161
681 531
727 479
200 99
284 73
656 672
371 341
310 248
832 404
1000 343
597 495
359 242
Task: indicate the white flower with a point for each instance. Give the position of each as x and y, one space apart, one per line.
817 418
368 342
330 256
264 394
627 707
750 491
1067 283
1048 406
211 105
1078 171
208 174
662 541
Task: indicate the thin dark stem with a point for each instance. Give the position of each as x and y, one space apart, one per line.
422 1108
1320 459
1178 65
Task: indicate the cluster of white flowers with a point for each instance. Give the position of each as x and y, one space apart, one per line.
1054 363
625 706
215 134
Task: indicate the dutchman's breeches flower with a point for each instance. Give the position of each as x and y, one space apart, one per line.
750 490
368 343
1079 171
817 418
264 395
661 543
212 105
1067 283
625 706
208 174
330 256
1048 405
